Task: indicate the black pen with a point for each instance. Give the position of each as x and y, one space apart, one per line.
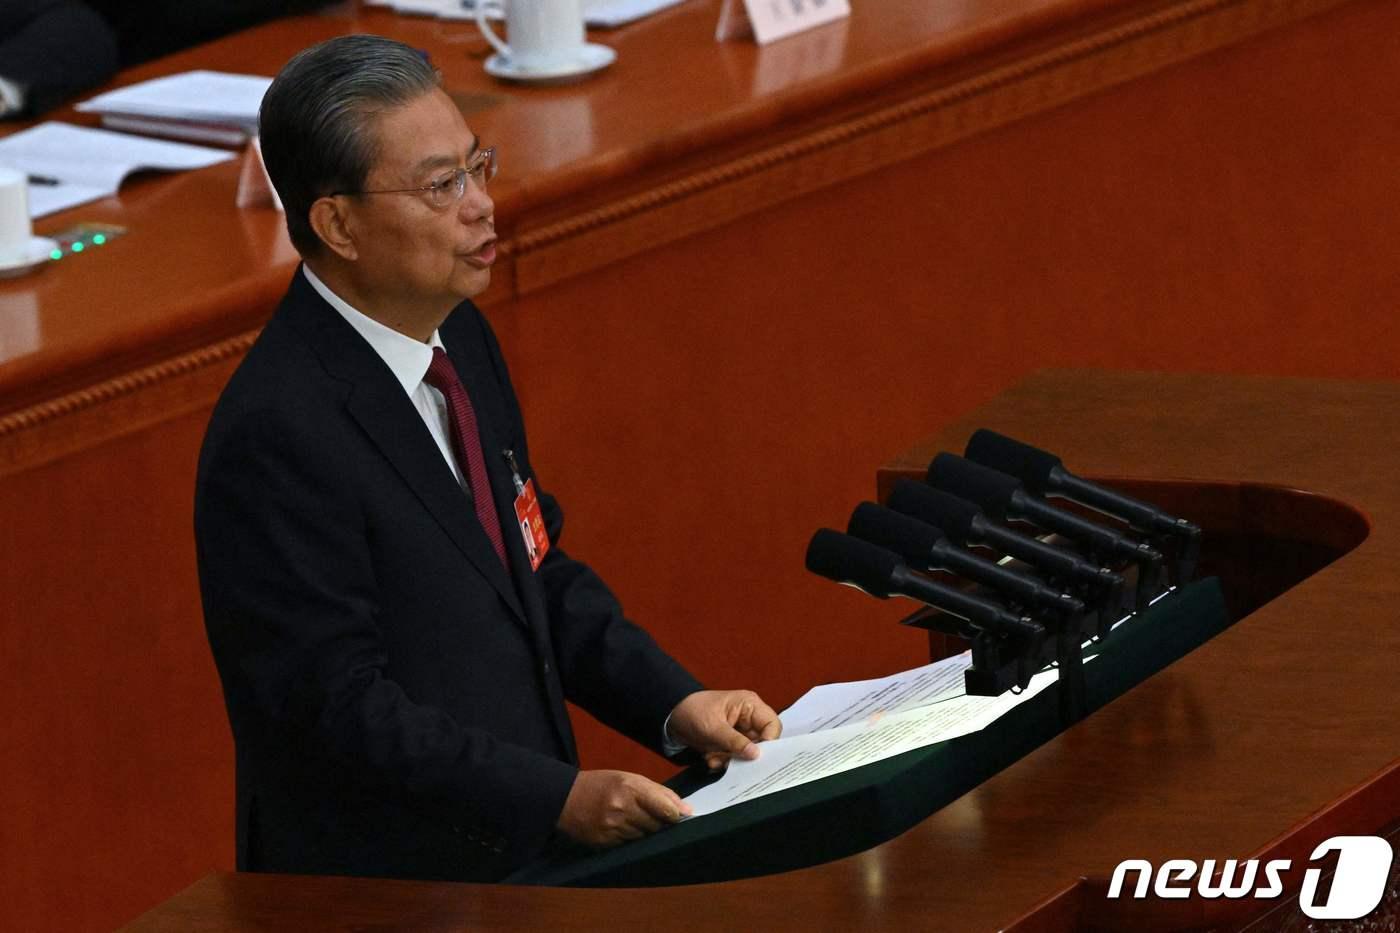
44 180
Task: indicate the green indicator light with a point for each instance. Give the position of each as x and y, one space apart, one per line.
99 239
78 247
56 254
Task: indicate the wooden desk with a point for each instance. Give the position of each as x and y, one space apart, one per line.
733 278
1210 758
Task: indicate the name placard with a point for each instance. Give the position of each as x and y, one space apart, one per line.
254 184
770 20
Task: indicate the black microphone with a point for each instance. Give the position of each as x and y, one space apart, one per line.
1044 474
924 547
882 574
964 523
1001 496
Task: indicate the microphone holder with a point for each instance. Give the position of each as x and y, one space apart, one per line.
1104 604
1181 552
1069 658
1000 663
1184 551
1151 578
1180 548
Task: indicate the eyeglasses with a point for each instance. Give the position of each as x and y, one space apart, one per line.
450 187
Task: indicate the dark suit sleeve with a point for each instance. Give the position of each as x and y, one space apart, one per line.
54 49
290 603
608 665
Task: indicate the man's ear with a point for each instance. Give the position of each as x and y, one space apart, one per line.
328 218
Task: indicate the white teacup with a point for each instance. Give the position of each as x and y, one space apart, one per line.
544 34
15 229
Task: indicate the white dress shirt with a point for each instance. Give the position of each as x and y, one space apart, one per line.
408 360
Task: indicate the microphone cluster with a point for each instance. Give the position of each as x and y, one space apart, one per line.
1067 579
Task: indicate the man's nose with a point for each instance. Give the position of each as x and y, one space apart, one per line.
476 203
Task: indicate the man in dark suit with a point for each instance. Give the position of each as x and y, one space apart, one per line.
395 660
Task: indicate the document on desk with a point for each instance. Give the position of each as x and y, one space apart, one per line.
841 704
70 165
610 14
921 710
213 97
597 14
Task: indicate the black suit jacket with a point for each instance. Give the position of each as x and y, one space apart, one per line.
396 696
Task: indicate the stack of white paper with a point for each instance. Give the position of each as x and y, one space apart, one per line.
609 14
207 106
597 14
837 727
830 706
70 165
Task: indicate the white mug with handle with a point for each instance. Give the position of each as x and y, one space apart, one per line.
545 35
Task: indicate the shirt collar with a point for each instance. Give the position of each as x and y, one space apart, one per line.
407 359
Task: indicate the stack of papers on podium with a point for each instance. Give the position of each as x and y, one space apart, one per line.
203 106
838 727
69 165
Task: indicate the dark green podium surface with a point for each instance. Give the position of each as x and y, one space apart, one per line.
852 811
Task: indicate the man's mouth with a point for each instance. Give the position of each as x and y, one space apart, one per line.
483 256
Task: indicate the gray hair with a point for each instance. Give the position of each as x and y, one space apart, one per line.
316 120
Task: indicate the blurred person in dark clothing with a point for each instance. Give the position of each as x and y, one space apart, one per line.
53 50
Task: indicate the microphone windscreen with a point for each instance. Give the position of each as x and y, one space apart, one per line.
849 560
975 483
1030 465
908 537
935 507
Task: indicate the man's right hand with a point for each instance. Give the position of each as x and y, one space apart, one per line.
605 808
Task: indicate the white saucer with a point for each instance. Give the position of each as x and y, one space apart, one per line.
590 58
39 249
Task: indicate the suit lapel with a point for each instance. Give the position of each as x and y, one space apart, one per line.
398 431
379 405
477 376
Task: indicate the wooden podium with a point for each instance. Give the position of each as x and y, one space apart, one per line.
1274 735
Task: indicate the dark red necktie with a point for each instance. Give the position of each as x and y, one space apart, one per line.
466 441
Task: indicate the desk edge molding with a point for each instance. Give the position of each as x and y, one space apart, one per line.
84 418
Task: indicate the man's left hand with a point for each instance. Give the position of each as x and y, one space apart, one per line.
723 724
